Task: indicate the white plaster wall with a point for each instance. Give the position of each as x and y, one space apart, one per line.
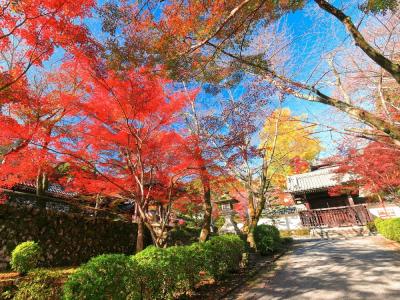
390 211
285 222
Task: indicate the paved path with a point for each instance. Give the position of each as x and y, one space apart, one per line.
357 268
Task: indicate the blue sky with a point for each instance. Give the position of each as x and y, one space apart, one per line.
314 29
314 37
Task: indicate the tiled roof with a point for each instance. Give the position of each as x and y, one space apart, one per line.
54 190
320 179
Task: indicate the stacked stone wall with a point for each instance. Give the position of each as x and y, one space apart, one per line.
66 239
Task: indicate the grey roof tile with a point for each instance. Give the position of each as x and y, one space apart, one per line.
316 180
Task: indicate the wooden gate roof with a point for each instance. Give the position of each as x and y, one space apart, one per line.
317 180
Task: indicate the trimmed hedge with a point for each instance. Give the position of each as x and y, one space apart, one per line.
389 228
155 273
165 272
180 236
108 276
267 239
176 270
25 257
222 254
40 284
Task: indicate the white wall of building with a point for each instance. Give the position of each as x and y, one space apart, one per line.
388 211
284 222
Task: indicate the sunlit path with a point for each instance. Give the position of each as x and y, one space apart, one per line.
358 268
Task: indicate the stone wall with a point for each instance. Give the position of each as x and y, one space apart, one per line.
66 239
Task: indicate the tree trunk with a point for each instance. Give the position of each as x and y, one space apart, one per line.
255 211
140 236
157 234
250 232
207 207
252 221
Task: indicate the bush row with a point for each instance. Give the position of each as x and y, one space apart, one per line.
38 284
389 228
151 274
155 273
180 236
267 239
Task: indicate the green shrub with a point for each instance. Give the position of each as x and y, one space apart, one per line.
157 272
7 292
183 236
188 263
267 239
222 254
287 240
108 276
389 228
377 221
25 257
40 284
371 226
168 272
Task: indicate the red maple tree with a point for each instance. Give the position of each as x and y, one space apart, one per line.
377 168
30 32
35 125
35 107
131 140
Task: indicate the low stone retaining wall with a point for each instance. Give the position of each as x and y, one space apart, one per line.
66 239
340 232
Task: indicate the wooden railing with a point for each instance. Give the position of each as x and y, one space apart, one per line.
335 216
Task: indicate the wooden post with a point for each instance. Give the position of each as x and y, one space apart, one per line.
350 200
383 205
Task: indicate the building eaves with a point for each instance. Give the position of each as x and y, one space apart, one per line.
318 180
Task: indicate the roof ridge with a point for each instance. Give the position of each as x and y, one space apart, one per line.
315 172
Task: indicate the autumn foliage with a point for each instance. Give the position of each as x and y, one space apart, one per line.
32 30
115 116
290 144
376 168
35 103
